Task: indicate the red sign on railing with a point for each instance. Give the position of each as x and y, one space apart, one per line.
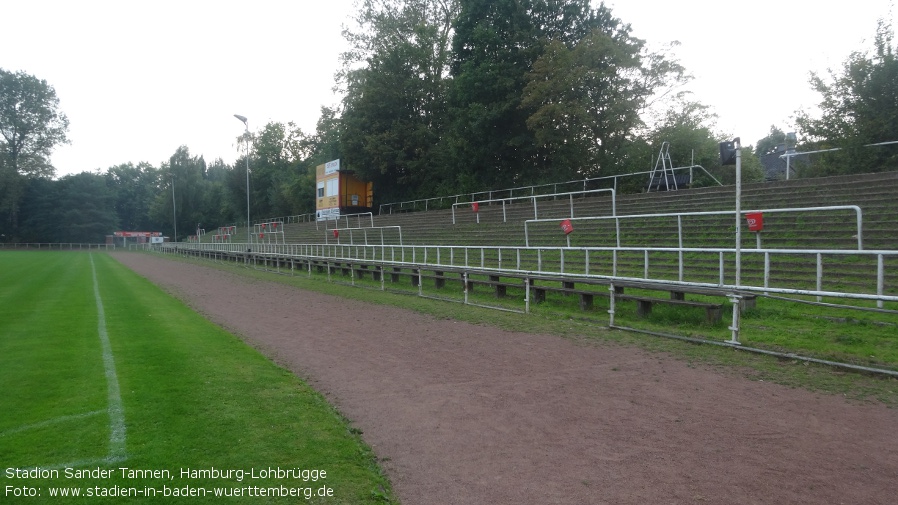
755 221
567 227
475 207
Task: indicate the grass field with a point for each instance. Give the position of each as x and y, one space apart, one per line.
101 371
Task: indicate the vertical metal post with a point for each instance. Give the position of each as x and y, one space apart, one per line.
738 213
880 278
734 339
720 279
680 242
819 275
611 300
646 264
526 295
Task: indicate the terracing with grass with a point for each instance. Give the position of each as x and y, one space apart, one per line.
874 194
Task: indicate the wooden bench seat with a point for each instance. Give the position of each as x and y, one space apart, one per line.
713 311
586 297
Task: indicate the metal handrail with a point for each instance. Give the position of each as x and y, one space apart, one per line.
680 215
534 197
471 197
524 259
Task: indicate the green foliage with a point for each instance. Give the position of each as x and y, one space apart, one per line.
394 108
134 188
31 125
460 96
859 106
586 102
769 143
77 208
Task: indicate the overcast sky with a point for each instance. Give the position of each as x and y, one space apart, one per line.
138 80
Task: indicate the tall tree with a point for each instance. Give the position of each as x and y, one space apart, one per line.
395 79
86 209
546 90
182 194
134 187
859 106
495 46
31 125
586 101
771 141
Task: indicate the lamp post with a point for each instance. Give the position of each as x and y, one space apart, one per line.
246 125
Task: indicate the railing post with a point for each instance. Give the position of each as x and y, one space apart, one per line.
680 242
526 295
734 339
611 302
819 275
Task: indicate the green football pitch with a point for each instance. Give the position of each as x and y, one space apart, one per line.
113 391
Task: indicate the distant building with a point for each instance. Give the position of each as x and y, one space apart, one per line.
123 238
774 163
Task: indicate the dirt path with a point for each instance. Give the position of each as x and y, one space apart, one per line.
465 414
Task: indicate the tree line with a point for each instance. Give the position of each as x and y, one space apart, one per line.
443 97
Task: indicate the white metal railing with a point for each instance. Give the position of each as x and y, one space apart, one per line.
55 246
680 215
336 219
510 192
364 231
600 263
534 198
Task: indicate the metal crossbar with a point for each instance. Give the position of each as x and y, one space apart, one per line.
533 198
679 215
593 263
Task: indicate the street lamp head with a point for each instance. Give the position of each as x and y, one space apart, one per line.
242 118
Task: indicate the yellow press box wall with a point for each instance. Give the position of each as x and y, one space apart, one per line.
340 192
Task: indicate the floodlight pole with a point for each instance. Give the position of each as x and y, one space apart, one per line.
246 125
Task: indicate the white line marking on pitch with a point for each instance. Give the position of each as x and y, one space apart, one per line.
42 424
116 410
